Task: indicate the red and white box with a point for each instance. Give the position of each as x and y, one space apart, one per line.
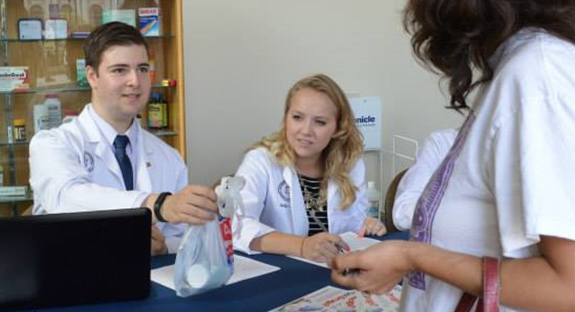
149 21
14 78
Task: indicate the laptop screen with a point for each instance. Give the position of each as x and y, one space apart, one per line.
74 258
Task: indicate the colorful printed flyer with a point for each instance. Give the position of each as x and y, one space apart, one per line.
333 299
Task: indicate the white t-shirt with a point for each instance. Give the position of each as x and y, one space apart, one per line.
507 179
411 186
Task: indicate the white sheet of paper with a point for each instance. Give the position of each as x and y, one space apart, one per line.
355 243
244 268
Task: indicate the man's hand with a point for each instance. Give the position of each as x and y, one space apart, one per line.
194 204
158 242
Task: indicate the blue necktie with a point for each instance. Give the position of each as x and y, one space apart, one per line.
120 144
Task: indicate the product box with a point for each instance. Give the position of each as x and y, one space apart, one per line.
30 29
56 29
149 21
124 16
14 78
81 78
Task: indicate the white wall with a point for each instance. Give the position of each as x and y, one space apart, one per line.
241 57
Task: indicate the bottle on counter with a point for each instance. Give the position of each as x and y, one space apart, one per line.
373 198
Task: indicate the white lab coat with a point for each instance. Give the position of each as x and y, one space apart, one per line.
273 201
73 169
412 184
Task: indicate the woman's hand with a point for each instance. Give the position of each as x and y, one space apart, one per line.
372 226
376 269
322 247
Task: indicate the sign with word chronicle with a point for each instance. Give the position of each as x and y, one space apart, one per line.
367 112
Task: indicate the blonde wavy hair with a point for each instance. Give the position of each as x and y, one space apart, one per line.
342 152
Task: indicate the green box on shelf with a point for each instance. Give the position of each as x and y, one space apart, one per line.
124 16
81 73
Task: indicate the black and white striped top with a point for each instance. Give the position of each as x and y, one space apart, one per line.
310 189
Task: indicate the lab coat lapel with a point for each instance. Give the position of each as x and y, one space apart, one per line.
144 182
299 222
99 144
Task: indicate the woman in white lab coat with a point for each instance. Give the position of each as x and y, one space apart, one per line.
305 183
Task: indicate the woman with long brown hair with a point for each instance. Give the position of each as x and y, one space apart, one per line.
504 192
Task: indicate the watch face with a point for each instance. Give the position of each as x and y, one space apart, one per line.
29 29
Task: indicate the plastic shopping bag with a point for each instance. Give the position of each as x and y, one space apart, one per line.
205 258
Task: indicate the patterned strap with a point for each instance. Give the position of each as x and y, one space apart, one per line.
490 301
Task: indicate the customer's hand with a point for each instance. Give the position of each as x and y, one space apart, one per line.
322 247
376 269
372 226
158 242
195 204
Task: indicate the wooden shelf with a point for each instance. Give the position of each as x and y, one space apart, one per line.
165 36
66 88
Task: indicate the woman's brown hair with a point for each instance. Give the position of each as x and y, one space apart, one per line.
457 37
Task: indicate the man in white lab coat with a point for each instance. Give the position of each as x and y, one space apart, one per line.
105 160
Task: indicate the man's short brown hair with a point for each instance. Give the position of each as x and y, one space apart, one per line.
109 35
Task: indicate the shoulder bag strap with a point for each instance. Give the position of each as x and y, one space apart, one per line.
490 285
490 300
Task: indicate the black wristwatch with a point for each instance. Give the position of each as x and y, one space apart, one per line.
158 206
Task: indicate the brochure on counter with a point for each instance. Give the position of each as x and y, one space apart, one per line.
333 299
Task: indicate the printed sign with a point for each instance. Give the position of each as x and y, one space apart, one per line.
367 111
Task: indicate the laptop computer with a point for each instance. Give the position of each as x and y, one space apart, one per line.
74 258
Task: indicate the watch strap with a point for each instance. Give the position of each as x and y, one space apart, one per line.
158 206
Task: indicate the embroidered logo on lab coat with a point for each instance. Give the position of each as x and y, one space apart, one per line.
88 161
283 191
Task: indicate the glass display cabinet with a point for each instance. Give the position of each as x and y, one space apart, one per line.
41 65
